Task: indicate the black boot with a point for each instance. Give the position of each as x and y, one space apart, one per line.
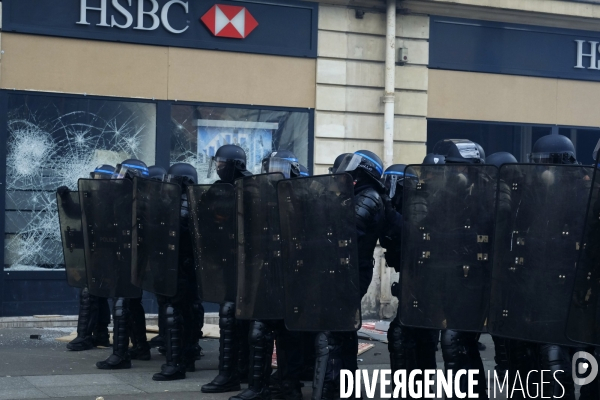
119 359
261 353
228 379
101 337
140 349
174 368
84 341
558 360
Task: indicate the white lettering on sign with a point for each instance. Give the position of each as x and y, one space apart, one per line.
144 14
592 54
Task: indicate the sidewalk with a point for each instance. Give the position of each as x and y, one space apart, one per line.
43 368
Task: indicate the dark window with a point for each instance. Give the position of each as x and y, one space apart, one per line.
513 138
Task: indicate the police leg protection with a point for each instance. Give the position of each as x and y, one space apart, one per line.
501 357
243 351
174 368
101 336
402 348
228 379
261 353
140 349
198 312
328 364
426 340
159 341
84 341
560 383
460 352
119 359
290 362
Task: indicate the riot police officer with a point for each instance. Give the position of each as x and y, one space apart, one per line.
337 350
410 348
523 355
263 333
94 312
460 349
229 163
127 320
183 313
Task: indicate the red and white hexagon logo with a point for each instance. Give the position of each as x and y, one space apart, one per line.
229 21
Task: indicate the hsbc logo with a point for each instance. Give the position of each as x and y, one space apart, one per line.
229 21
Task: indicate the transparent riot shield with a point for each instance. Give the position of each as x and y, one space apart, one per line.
157 213
69 217
539 226
213 216
260 277
583 324
106 208
446 246
320 253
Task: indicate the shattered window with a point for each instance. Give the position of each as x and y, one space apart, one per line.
53 141
198 131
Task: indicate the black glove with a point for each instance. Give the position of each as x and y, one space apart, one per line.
63 191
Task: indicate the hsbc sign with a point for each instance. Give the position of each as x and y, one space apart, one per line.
278 27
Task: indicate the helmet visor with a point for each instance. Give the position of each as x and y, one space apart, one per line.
349 163
391 179
552 158
101 174
223 168
468 150
275 164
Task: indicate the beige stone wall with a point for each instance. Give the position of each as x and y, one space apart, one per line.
511 98
53 64
350 84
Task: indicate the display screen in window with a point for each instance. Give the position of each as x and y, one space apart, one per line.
198 131
53 141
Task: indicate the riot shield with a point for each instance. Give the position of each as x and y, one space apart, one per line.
106 216
156 212
213 216
69 217
446 246
583 324
539 226
260 278
320 253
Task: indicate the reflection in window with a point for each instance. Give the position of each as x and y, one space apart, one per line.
53 141
198 131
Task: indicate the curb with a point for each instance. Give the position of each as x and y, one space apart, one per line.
59 321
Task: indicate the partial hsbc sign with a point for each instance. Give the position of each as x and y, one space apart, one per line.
505 48
278 27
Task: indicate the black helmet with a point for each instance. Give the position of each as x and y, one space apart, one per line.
553 149
500 158
103 171
433 159
156 172
393 177
131 167
337 162
229 162
459 151
304 171
283 161
184 172
362 162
